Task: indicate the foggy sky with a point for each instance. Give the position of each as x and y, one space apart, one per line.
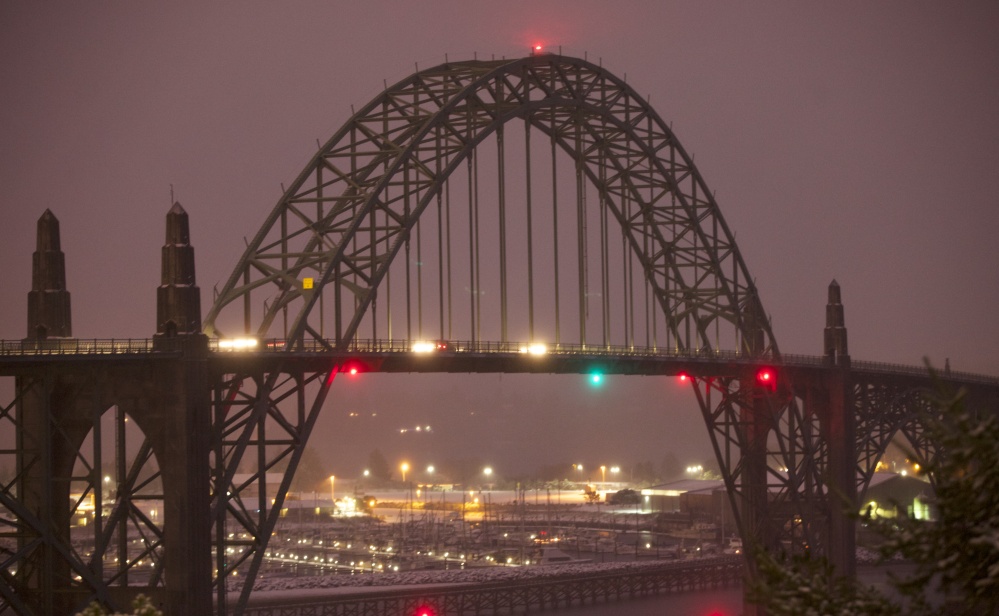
853 141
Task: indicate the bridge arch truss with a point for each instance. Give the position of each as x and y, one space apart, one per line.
392 178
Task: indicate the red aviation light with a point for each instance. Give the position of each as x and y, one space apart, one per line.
684 377
767 378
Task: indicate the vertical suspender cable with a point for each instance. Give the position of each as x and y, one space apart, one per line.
604 295
626 218
409 258
440 240
502 229
558 338
419 278
319 242
247 316
650 309
580 230
419 242
631 302
639 204
697 250
624 268
447 219
648 265
478 271
741 317
284 262
530 231
471 244
374 257
388 274
672 304
337 302
714 248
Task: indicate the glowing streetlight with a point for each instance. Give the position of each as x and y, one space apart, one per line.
487 471
404 467
430 469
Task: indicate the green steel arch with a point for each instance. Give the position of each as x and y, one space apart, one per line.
352 209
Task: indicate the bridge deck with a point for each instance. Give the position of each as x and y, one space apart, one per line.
451 356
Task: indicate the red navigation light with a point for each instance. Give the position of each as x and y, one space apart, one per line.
537 48
352 367
424 611
767 378
684 377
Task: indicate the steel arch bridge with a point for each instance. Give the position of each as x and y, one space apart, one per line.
484 208
422 150
364 198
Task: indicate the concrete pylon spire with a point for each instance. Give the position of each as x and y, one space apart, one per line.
48 300
835 347
178 298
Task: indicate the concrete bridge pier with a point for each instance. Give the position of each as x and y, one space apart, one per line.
44 408
167 393
837 421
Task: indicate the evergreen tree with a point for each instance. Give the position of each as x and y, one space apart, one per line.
956 554
959 550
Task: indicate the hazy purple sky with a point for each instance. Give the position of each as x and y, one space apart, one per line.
856 141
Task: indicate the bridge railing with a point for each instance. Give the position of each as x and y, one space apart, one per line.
873 367
76 346
483 347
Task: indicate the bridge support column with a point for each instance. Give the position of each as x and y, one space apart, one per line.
836 417
757 523
183 409
179 405
838 422
44 462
